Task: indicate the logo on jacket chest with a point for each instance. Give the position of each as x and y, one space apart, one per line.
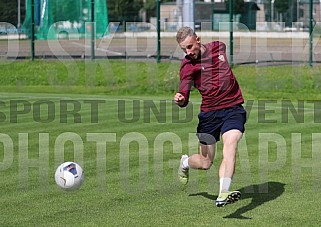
221 57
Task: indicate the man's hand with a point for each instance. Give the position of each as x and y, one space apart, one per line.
179 99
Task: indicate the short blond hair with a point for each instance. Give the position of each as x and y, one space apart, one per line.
184 32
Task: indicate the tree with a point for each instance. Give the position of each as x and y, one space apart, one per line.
150 8
287 10
238 6
124 10
281 6
9 11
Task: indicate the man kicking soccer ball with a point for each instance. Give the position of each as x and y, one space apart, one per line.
206 68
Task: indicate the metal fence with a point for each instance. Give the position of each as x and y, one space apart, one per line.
290 36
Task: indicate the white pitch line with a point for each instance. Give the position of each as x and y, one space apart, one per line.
100 49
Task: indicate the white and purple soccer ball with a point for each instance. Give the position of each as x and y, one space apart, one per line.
69 176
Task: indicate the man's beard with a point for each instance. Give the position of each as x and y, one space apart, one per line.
195 56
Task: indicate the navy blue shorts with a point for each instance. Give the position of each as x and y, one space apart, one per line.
212 124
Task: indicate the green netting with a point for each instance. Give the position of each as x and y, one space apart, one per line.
65 18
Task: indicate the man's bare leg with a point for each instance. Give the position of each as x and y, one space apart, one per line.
226 171
202 161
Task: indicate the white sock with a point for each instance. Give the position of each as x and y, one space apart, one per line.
185 164
225 183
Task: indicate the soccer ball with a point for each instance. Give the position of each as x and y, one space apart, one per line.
69 176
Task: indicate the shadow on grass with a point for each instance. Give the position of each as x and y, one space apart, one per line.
259 194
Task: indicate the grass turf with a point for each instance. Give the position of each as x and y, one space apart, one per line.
130 176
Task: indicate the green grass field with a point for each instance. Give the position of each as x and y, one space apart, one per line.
128 137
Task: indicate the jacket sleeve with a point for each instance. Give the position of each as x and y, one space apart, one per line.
185 86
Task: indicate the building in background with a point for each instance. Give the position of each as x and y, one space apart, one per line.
258 15
206 16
